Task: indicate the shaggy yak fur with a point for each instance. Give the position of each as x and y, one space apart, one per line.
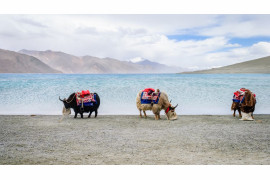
71 103
163 103
248 106
236 106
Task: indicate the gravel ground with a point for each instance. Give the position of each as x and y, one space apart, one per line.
130 140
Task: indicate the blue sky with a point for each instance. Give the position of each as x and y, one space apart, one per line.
185 37
250 41
193 41
242 41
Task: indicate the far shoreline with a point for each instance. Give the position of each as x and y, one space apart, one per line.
148 114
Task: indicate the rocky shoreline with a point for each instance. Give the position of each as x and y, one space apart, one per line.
127 139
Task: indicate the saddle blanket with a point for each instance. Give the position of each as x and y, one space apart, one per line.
87 100
147 99
238 96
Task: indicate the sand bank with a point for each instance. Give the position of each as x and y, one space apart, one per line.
131 140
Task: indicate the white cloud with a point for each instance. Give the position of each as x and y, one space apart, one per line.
238 55
242 26
125 37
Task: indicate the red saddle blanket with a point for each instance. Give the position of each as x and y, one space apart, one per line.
149 90
84 97
149 97
239 94
147 94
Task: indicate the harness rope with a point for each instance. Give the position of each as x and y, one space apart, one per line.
71 99
168 109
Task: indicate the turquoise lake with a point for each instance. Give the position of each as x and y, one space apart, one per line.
196 94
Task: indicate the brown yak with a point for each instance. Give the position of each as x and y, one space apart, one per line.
163 103
247 105
237 97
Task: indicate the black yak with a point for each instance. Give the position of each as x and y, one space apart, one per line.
72 102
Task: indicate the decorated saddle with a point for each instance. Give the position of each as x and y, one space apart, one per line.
239 95
85 98
149 96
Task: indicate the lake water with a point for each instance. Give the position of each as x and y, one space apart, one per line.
195 93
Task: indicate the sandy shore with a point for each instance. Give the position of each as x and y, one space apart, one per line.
131 140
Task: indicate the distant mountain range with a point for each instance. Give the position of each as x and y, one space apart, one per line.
26 61
67 63
153 66
12 62
261 65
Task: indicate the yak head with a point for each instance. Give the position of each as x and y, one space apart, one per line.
70 101
170 112
235 105
66 105
66 109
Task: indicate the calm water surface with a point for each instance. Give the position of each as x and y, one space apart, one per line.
195 93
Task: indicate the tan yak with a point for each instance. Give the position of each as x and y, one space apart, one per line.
156 102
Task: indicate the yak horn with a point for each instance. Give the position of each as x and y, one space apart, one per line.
61 99
170 100
176 106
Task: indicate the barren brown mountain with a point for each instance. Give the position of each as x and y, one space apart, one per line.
13 62
261 65
93 65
